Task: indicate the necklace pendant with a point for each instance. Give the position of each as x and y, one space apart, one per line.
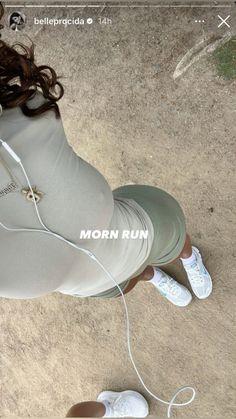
37 195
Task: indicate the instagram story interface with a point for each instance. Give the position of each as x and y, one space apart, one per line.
117 176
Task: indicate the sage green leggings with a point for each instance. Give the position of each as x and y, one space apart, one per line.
169 227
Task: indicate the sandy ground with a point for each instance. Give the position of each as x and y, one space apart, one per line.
124 113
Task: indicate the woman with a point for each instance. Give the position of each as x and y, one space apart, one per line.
74 197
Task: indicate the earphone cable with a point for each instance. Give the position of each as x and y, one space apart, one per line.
46 230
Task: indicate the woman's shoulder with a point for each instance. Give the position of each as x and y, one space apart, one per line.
14 123
36 100
16 114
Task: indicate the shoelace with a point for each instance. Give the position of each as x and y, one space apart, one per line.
169 285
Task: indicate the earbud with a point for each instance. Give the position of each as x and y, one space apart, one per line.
10 151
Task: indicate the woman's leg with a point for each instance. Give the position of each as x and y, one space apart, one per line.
198 276
148 272
146 275
87 410
176 293
187 249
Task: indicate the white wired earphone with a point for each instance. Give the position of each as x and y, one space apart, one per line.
46 230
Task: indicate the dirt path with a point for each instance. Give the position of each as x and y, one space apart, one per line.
124 112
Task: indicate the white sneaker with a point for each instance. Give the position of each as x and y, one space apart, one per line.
198 276
124 404
176 293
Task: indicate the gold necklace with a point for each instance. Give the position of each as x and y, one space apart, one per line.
14 185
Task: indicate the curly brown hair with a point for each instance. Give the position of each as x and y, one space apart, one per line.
21 78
